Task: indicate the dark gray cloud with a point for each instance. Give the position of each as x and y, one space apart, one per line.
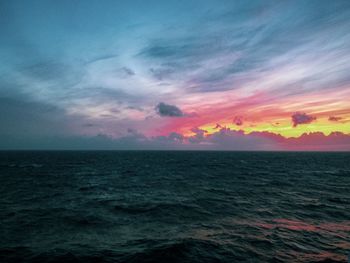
173 137
302 118
177 137
167 110
31 119
134 133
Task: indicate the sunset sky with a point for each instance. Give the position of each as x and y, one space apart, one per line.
216 75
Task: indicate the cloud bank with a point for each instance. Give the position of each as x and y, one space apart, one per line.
224 139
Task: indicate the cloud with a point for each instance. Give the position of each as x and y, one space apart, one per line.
162 72
334 118
246 44
135 108
31 124
167 110
87 125
227 139
101 58
224 139
238 120
335 141
302 118
133 136
173 137
127 71
199 135
217 126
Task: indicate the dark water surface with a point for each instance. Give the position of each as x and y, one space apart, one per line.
174 207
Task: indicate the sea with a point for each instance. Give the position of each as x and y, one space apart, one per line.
174 206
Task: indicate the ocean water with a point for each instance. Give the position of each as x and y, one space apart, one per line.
174 207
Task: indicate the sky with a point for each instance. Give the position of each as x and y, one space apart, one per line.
177 75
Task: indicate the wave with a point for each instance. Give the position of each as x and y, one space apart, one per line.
159 208
185 250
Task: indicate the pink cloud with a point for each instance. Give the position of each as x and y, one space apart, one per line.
334 118
238 120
